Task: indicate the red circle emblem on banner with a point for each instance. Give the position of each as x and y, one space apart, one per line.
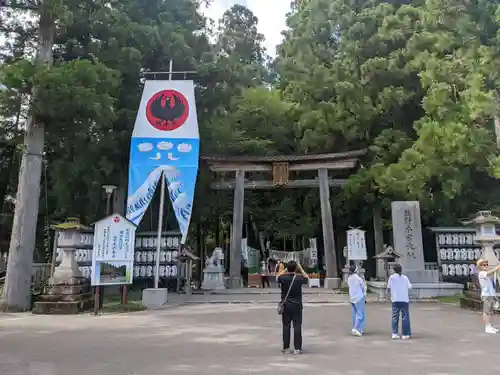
167 110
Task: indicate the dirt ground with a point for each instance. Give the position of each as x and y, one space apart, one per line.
245 339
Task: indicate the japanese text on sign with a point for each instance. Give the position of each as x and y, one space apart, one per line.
356 245
410 247
114 239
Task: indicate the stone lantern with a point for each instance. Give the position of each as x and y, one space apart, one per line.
486 235
188 258
68 240
67 292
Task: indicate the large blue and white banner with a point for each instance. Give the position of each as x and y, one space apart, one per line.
165 140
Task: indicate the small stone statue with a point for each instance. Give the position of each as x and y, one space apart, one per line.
213 274
216 259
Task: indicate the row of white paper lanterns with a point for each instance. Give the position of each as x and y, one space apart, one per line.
140 271
151 242
85 271
458 269
80 255
147 242
149 271
462 254
140 256
456 239
150 256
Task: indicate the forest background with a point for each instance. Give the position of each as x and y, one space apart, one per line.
415 82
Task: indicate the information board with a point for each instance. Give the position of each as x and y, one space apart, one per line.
356 244
113 251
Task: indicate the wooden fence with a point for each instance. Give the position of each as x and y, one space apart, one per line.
39 271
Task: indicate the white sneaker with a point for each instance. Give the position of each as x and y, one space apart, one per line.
355 332
395 337
489 329
405 337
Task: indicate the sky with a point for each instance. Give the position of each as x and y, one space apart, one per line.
271 15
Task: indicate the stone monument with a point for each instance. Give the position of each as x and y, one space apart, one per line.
67 292
407 235
213 273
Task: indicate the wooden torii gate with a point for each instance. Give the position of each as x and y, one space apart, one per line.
280 167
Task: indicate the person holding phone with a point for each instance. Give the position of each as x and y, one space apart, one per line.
291 280
357 297
488 293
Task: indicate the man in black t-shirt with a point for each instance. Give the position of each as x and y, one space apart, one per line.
291 281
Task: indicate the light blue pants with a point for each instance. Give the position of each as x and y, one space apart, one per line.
358 315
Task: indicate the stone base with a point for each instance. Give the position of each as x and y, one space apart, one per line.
213 279
70 281
154 298
65 297
314 283
70 296
422 276
332 283
232 283
62 308
419 290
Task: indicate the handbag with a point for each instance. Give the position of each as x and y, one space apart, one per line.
281 304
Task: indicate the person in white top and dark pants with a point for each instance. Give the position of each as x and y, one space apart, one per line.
399 285
357 294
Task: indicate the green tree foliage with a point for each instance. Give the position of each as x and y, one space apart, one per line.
413 82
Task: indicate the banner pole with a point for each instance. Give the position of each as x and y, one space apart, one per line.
160 226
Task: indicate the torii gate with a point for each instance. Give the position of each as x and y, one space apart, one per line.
281 166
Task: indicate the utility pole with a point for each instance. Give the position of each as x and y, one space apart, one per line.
16 296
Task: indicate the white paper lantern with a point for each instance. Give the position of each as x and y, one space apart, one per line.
173 271
441 239
442 254
463 254
444 269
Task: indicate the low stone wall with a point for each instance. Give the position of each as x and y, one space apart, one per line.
418 291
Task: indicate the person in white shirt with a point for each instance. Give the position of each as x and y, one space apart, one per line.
488 293
399 286
357 294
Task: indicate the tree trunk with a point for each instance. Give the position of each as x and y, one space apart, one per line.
378 230
17 295
119 201
260 236
217 233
